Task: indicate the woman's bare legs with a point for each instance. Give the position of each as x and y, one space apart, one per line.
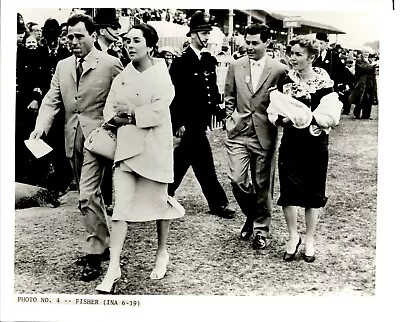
118 234
162 257
291 222
311 224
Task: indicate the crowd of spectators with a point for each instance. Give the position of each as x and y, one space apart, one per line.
172 15
38 52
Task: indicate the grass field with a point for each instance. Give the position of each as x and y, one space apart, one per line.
207 256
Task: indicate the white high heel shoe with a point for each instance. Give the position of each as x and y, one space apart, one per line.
108 286
160 268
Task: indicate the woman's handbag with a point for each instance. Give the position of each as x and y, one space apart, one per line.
103 142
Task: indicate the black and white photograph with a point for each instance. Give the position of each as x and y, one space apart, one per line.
223 158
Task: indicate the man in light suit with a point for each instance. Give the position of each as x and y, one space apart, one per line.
252 139
81 83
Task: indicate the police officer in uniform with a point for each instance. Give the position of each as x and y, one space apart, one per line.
107 29
196 100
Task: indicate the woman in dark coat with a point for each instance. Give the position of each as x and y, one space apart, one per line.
364 94
306 105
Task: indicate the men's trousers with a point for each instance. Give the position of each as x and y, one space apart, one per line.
88 173
247 159
195 150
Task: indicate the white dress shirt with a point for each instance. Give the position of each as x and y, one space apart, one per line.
323 54
84 62
256 68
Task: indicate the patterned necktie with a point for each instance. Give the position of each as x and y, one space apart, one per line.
79 71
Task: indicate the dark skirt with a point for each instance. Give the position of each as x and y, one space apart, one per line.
302 168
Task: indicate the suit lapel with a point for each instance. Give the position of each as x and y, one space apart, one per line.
247 74
264 75
91 63
73 67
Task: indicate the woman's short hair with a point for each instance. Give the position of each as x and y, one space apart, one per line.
149 33
87 20
312 45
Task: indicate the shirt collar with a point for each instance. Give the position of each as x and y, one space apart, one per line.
196 51
85 59
102 45
261 62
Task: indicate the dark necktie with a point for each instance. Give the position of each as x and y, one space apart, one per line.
79 71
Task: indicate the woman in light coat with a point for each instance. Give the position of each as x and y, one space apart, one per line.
138 105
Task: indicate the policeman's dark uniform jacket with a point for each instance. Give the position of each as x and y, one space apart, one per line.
106 17
196 92
332 64
26 67
196 100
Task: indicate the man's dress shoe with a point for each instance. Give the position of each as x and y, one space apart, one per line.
260 242
225 212
92 268
105 256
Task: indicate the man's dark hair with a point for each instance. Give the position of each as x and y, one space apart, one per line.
258 29
87 20
149 33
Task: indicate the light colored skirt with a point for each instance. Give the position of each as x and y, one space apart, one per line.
140 199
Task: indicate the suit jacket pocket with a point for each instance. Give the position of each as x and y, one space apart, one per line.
234 124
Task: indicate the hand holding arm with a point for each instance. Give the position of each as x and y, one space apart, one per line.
124 110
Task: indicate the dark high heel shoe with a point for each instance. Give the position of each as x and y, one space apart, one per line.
290 257
107 288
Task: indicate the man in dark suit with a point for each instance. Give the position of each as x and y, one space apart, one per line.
48 55
82 83
196 99
345 90
252 138
330 61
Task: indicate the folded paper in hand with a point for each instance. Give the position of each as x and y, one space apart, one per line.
38 148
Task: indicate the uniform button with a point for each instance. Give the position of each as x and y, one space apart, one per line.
208 95
208 87
209 102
